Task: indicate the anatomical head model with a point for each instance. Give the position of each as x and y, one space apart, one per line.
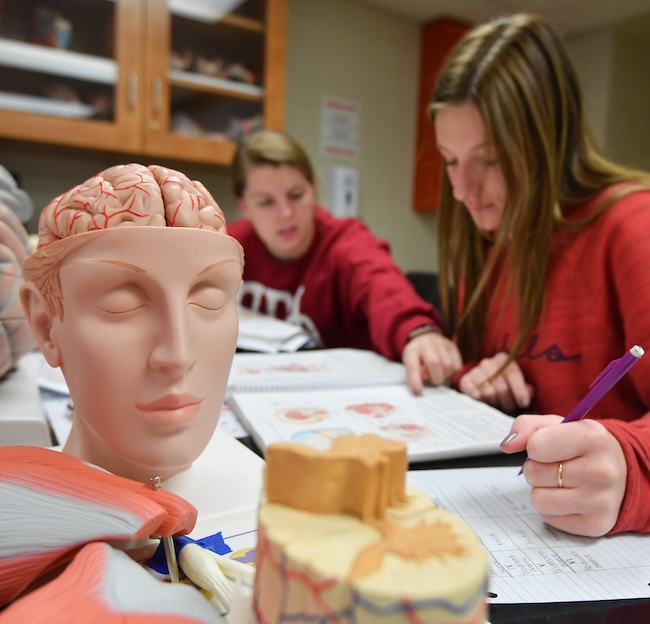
132 292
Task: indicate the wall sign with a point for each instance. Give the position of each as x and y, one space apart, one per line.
339 128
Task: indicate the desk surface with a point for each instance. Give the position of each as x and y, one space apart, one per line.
604 612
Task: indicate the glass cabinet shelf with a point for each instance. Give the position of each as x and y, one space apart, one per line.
45 106
177 79
209 84
55 61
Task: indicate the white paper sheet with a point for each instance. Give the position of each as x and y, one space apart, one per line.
312 370
266 334
530 561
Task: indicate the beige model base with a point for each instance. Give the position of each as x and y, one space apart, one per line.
411 562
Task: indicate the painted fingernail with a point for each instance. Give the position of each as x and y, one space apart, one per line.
509 438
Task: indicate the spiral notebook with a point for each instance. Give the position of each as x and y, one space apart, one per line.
317 396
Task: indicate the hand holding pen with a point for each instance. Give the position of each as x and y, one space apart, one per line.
607 379
612 374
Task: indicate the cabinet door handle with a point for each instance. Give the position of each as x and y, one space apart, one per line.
132 90
157 96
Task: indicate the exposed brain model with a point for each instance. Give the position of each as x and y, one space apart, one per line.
121 196
128 195
132 292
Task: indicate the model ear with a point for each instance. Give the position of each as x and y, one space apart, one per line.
41 320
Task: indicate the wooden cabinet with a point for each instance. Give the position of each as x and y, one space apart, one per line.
162 78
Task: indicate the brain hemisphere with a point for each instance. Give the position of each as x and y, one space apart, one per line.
187 202
127 195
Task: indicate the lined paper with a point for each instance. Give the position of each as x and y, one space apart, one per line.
531 562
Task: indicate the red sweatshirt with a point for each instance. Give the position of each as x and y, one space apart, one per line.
346 291
597 307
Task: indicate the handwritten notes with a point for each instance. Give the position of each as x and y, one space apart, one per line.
531 561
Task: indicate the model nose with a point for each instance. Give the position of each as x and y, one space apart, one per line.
174 349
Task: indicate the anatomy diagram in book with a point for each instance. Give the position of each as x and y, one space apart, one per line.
371 410
303 415
313 368
320 439
406 432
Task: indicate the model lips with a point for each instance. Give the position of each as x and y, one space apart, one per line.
171 401
173 409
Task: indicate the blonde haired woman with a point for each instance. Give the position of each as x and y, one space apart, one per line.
544 256
332 276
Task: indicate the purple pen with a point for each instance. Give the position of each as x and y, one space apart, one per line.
600 386
612 374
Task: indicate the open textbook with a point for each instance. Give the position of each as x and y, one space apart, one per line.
313 397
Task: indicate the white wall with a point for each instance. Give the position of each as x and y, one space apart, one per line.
592 54
361 53
628 136
614 65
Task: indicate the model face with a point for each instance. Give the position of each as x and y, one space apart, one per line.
471 164
279 202
146 343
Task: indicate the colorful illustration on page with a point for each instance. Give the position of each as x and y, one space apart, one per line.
320 439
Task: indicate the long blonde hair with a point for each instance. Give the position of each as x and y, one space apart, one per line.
518 73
